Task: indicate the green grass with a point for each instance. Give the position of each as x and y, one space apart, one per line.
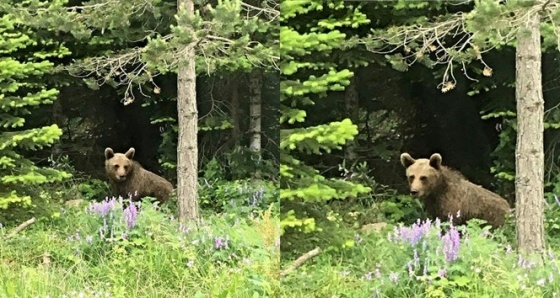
73 254
384 265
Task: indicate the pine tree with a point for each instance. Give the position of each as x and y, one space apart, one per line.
25 65
308 73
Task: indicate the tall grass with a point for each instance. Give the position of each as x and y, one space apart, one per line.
111 250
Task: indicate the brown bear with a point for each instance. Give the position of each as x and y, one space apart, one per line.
128 179
444 192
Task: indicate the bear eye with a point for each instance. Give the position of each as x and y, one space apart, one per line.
411 177
423 178
116 166
126 168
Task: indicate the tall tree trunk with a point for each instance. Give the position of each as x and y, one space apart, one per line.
352 112
233 86
187 145
255 110
529 157
57 118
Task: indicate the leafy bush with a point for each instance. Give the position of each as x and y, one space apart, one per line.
242 197
107 248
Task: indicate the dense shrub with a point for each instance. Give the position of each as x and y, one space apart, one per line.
242 197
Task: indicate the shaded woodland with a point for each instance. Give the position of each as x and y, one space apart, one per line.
95 119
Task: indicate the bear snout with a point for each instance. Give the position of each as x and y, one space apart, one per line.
121 177
414 192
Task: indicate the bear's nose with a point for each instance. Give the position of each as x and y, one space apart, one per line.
413 192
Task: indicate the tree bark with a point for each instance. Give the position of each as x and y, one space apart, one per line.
529 152
236 131
255 110
187 145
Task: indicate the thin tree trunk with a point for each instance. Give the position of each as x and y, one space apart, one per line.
529 157
236 132
255 110
187 145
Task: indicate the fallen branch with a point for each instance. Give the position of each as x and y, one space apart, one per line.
20 228
297 263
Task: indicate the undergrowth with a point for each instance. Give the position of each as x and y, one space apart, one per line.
423 259
116 249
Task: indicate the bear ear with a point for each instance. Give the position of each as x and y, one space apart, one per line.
407 160
435 161
109 153
130 153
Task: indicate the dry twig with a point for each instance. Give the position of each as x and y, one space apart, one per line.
297 263
20 228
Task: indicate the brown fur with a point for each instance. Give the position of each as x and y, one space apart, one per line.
128 178
445 191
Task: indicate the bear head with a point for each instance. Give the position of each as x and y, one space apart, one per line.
423 174
118 165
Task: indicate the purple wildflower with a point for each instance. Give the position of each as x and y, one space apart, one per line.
130 215
368 276
394 277
190 263
219 242
451 244
89 239
412 234
257 196
416 258
377 272
442 272
410 269
102 208
437 223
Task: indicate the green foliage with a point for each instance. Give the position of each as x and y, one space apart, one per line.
241 197
107 249
24 70
227 36
417 261
401 209
308 73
